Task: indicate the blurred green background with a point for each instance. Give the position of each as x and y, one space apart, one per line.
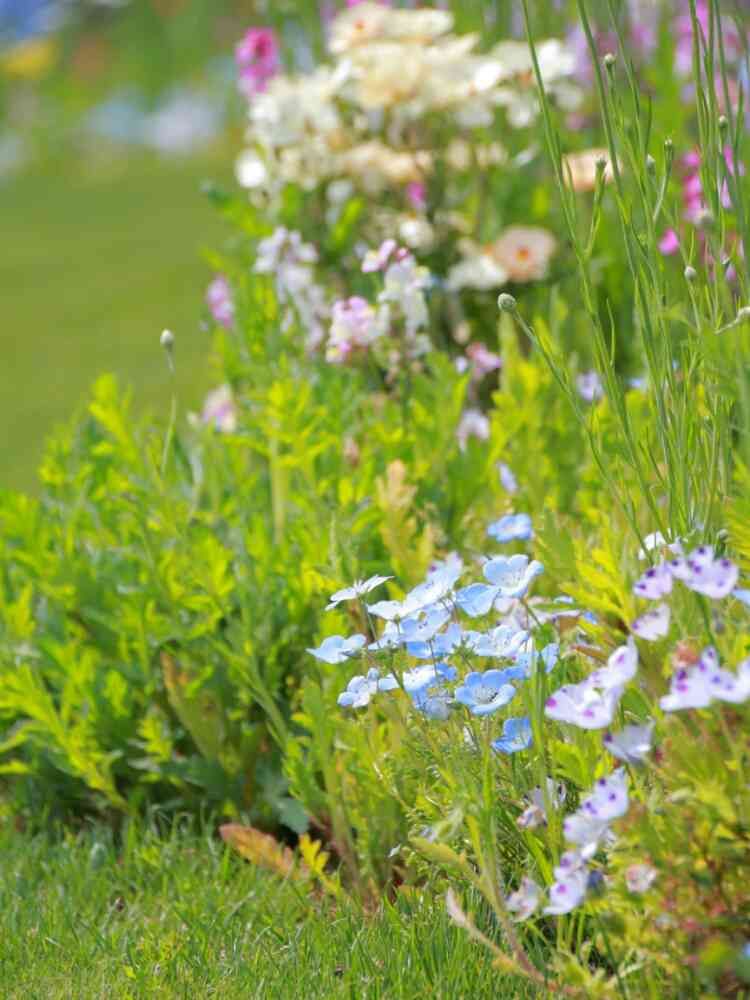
111 117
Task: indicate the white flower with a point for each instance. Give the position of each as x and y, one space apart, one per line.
621 668
525 900
566 894
640 877
357 589
524 252
580 169
631 744
653 624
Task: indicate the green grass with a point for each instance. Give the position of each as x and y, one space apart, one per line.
182 916
95 263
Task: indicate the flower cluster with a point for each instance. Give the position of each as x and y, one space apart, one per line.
426 626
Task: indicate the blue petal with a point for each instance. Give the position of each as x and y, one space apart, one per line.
476 599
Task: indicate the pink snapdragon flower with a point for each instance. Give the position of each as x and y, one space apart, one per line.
257 57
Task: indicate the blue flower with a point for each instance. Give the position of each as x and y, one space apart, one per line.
528 657
434 701
359 690
337 649
516 736
512 527
420 677
512 575
485 693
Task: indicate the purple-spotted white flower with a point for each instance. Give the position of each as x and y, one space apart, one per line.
691 686
585 831
631 744
583 705
337 649
621 668
358 589
525 900
652 624
567 893
608 799
655 583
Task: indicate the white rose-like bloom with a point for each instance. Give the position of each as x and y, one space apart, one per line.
524 252
370 22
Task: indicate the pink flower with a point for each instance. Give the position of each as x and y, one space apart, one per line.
257 57
416 192
669 243
483 361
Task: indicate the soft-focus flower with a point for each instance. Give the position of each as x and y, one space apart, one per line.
473 423
377 260
337 649
371 22
589 386
507 479
621 668
524 252
478 269
691 686
420 678
511 527
580 169
516 736
505 641
359 690
525 900
220 410
657 541
433 702
535 813
568 893
257 57
485 693
656 582
608 799
702 572
586 831
631 744
355 326
527 658
220 302
640 877
652 624
357 589
669 244
482 360
583 705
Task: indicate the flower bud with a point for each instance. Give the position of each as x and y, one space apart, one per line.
506 302
650 164
690 273
723 123
167 340
609 60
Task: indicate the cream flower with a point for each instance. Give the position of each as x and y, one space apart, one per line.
376 166
370 22
579 169
524 252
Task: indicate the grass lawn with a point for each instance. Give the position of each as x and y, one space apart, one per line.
96 261
182 916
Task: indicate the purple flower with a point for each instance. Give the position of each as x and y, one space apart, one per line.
589 386
669 244
220 302
568 893
608 799
583 705
621 668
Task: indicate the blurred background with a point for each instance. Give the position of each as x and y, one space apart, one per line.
113 116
